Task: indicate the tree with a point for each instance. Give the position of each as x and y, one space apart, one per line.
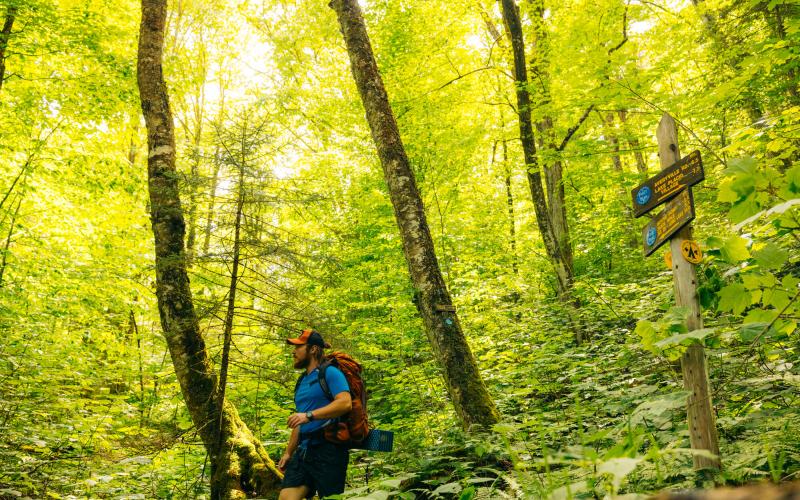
470 397
5 35
550 208
240 465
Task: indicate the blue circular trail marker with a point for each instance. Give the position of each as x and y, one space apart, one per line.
643 196
652 234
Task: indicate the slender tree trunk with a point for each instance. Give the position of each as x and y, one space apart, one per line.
512 224
194 174
215 176
5 35
7 244
633 142
553 166
470 397
562 269
245 463
613 141
218 484
134 331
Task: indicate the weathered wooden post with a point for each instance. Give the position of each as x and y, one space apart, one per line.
674 183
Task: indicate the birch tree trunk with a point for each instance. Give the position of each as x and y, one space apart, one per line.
240 462
470 397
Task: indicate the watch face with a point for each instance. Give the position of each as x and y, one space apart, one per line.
309 415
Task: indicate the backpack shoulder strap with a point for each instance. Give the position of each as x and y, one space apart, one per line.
323 381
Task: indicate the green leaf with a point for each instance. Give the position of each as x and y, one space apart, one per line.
776 298
656 407
644 329
749 331
619 468
681 337
726 194
734 249
468 493
745 165
793 178
448 489
734 298
771 256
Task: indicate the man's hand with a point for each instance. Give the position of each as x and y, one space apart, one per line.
297 419
284 461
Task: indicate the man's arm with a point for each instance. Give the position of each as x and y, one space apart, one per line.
341 404
294 439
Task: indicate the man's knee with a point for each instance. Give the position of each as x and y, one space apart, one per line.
296 493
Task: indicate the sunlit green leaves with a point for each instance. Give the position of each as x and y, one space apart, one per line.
734 298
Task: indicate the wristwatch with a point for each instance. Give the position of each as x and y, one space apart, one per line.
310 416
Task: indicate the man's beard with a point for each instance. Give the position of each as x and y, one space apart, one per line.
301 363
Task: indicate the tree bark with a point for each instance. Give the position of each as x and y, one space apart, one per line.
563 270
470 397
700 412
5 35
633 142
552 165
512 224
7 245
245 465
217 484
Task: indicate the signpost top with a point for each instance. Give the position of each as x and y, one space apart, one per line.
663 186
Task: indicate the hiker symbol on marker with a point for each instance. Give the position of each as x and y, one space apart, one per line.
691 251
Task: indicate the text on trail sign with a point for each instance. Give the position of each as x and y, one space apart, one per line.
676 214
685 172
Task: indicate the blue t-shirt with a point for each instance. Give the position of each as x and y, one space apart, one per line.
309 395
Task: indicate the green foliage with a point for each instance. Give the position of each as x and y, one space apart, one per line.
89 404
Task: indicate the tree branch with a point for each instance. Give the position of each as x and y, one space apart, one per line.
575 128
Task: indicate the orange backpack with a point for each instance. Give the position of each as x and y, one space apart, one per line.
351 428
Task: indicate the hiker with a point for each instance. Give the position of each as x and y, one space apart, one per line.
312 464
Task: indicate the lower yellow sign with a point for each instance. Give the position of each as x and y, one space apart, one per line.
691 251
668 259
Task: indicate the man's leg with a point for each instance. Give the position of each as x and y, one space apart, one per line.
329 468
297 483
295 493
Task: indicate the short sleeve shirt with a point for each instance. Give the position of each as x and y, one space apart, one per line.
309 395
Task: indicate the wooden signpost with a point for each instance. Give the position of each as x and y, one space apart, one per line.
674 183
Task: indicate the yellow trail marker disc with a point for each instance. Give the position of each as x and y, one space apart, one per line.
691 251
668 259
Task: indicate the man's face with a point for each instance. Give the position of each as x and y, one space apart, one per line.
300 356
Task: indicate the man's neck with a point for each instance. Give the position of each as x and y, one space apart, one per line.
312 365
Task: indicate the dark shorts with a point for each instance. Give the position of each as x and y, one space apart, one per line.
321 467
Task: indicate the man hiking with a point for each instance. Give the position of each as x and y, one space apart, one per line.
311 464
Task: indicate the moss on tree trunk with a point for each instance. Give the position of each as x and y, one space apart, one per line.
245 468
471 400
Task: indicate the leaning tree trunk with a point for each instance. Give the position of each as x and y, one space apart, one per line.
248 468
562 269
4 37
470 397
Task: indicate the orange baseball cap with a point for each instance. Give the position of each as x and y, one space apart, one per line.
309 337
